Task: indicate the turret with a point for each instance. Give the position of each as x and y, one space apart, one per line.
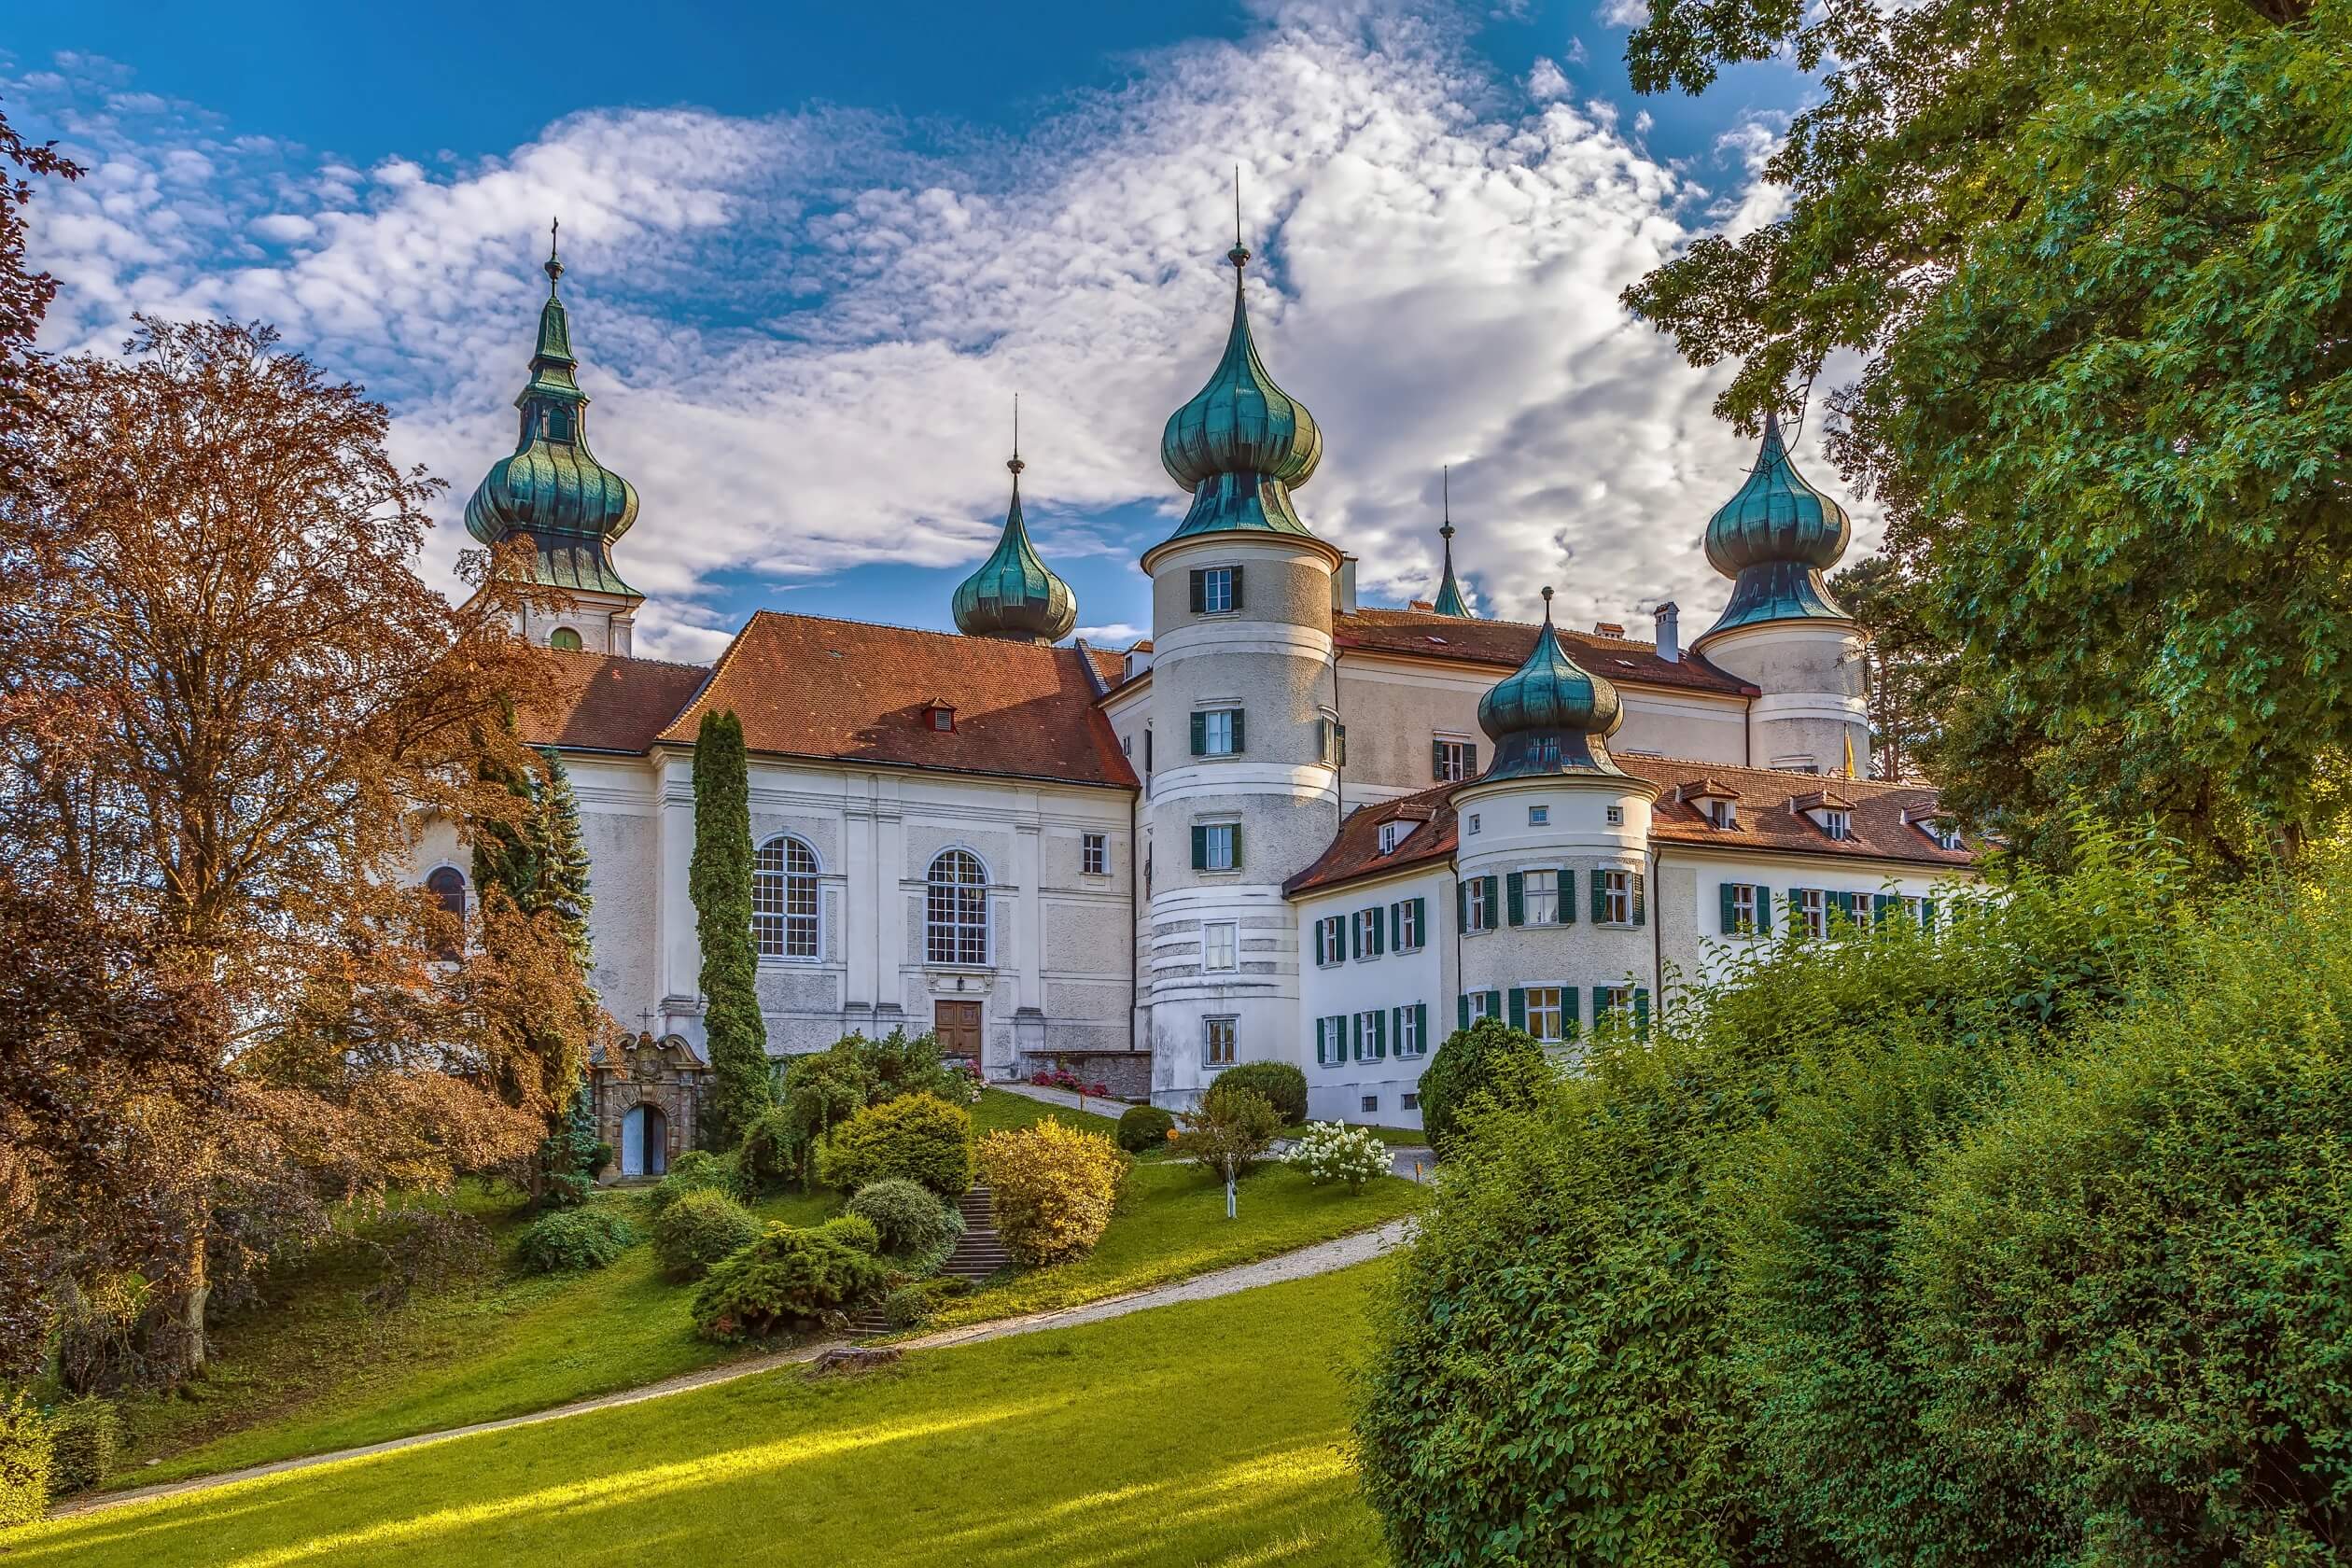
1781 629
553 494
1014 595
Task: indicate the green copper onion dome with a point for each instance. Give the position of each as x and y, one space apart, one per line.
1774 540
1450 600
1014 595
1243 442
1548 716
553 490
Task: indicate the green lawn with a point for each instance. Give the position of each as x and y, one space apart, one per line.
1000 1111
1209 1433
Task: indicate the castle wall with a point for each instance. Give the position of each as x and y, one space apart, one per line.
1811 674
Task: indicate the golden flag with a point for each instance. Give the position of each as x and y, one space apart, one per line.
1849 746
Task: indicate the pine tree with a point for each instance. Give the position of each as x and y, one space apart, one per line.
563 858
719 878
567 1160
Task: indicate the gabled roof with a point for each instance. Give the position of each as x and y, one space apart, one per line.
809 686
1706 787
1356 851
1505 644
601 701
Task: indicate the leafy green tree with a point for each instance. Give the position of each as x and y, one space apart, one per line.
1908 668
567 1160
1489 1062
2091 259
719 878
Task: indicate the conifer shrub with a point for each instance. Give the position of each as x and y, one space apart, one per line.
1282 1085
789 1278
698 1171
85 1436
908 1307
718 880
702 1227
1490 1058
916 1227
1051 1189
1144 1128
569 1239
854 1230
24 1461
917 1138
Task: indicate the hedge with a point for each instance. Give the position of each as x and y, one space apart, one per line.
24 1461
1051 1189
1144 1129
1281 1084
789 1279
917 1228
571 1239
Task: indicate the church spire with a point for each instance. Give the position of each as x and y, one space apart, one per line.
1774 540
1450 600
1014 595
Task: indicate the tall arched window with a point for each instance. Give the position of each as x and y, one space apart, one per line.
447 885
784 900
957 909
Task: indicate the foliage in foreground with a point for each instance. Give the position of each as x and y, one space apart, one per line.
698 1170
1335 1151
823 1090
24 1461
1051 1190
1229 1131
702 1227
1489 1059
567 1238
1685 1306
917 1138
789 1278
1144 1129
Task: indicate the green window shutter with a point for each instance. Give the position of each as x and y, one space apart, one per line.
1567 899
1641 1009
1881 906
1461 1010
1927 914
1322 1028
1421 1027
1567 1010
1518 1008
1599 897
1516 893
1462 910
1396 925
1494 1004
1200 592
1200 735
1357 1020
1236 587
1469 762
1731 909
1236 846
1201 848
1380 1036
1763 910
1437 759
1494 897
1420 922
1379 937
1845 905
1355 938
1600 1005
1640 900
1239 745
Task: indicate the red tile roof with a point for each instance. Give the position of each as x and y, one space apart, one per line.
1766 823
1503 644
808 686
601 701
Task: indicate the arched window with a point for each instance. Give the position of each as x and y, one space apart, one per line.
564 639
784 900
957 909
447 885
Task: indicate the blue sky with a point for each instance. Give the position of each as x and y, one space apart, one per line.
814 250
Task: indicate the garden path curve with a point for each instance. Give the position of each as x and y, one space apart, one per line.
1322 1258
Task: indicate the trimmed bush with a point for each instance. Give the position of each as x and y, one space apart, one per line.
24 1461
852 1230
1143 1128
703 1226
916 1226
698 1171
589 1238
85 1434
1335 1151
1280 1085
789 1279
1490 1059
907 1307
1229 1130
917 1138
1051 1189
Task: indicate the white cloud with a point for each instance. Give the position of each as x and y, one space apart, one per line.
803 336
1118 635
1623 13
1547 81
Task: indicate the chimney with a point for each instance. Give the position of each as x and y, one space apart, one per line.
1668 633
1344 587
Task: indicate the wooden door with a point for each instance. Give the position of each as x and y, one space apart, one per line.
957 1026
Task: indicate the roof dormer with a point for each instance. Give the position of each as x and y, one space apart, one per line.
1713 799
1828 810
940 714
1930 818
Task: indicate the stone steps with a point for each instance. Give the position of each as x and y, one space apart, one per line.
979 1254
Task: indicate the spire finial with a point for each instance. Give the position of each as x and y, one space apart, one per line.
1546 605
553 266
1240 254
1017 465
1445 482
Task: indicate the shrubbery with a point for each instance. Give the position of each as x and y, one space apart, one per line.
916 1228
2023 1241
1229 1131
907 1307
1335 1151
1051 1189
589 1238
1490 1058
84 1436
702 1227
24 1461
919 1138
1143 1128
698 1171
1281 1084
788 1278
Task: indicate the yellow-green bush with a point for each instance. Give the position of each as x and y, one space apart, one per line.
24 1461
84 1435
919 1138
1051 1189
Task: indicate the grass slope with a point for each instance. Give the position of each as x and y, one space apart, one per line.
1208 1433
1001 1111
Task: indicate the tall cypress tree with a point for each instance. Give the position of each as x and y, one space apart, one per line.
719 881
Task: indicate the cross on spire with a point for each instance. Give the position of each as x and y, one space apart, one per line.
553 266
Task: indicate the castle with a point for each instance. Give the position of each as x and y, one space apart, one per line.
1286 826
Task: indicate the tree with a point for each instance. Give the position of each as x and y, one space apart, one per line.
2091 260
229 699
718 877
1489 1061
1908 667
1228 1133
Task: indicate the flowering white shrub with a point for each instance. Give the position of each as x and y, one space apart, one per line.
1335 1151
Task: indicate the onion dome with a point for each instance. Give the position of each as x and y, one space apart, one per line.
1241 444
1548 716
553 490
1450 600
1774 540
1014 595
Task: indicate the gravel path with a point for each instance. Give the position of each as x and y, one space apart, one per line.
1322 1258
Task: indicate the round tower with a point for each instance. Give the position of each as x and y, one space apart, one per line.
1014 596
1781 630
1553 850
1243 791
552 493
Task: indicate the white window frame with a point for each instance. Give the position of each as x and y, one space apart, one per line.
1407 1039
1219 1040
1549 893
1456 767
1093 854
1553 1015
1539 815
1368 1105
1477 1004
956 911
1220 938
1812 911
1409 935
1215 582
788 901
1216 731
1394 833
1370 1030
1369 931
1217 833
1408 1100
1617 897
1614 999
1916 907
1481 917
1332 941
1723 813
1743 908
1615 816
1334 1044
1474 822
1836 823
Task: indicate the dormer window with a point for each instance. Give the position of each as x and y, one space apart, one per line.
564 640
1945 832
1714 800
1832 813
1394 833
1723 813
557 423
1837 824
940 714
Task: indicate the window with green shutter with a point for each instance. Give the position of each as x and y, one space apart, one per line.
1763 910
1567 1010
1641 1009
1493 886
1462 906
1567 896
1494 1004
1515 897
1200 735
1734 923
1599 897
1640 900
1518 1008
1461 1010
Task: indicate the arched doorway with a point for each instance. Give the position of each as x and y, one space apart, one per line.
644 1142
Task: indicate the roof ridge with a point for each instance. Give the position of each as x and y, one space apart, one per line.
919 631
625 658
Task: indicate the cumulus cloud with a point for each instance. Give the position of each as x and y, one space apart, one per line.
1547 81
802 332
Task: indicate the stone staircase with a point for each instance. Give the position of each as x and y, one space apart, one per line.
978 1255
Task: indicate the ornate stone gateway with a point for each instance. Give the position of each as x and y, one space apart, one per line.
648 1103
